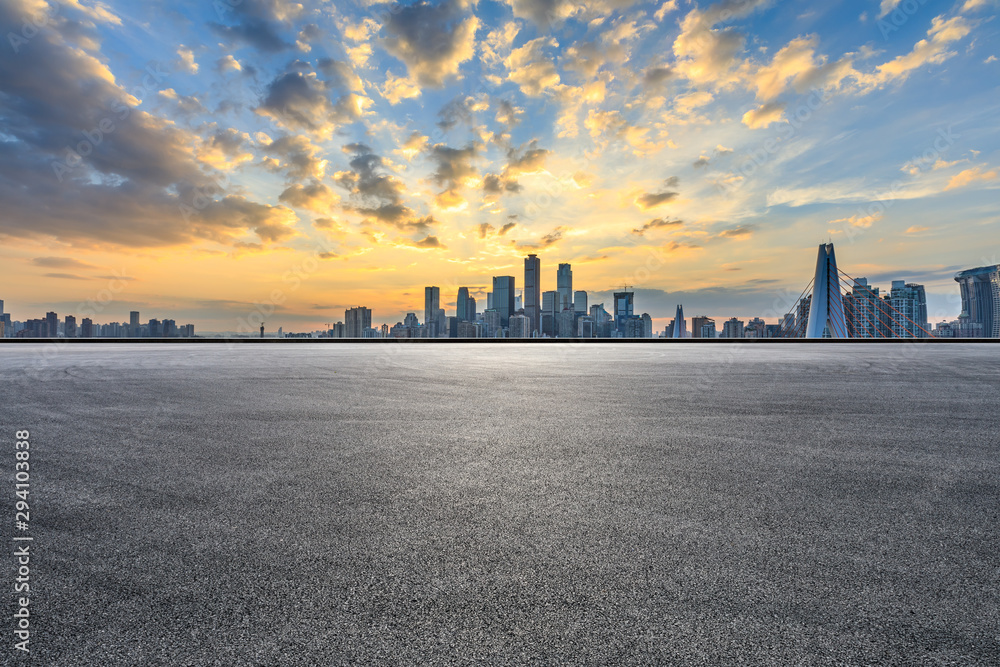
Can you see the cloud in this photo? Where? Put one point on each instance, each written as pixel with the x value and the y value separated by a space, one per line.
pixel 915 229
pixel 315 196
pixel 738 232
pixel 546 241
pixel 970 176
pixel 666 194
pixel 657 223
pixel 655 77
pixel 887 6
pixel 67 276
pixel 228 64
pixel 376 196
pixel 454 171
pixel 531 68
pixel 932 50
pixel 139 182
pixel 296 156
pixel 224 149
pixel 299 100
pixel 428 242
pixel 187 62
pixel 861 221
pixel 399 88
pixel 547 13
pixel 706 55
pixel 61 263
pixel 764 115
pixel 431 40
pixel 258 23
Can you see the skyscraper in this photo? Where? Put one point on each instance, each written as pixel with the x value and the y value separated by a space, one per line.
pixel 733 328
pixel 519 326
pixel 624 303
pixel 980 290
pixel 547 324
pixel 564 287
pixel 52 322
pixel 908 314
pixel 580 302
pixel 134 329
pixel 357 321
pixel 532 291
pixel 680 324
pixel 697 323
pixel 432 301
pixel 503 297
pixel 69 327
pixel 462 305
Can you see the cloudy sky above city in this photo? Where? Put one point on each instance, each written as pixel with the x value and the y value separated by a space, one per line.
pixel 315 156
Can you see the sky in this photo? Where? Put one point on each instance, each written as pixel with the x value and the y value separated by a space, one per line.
pixel 226 162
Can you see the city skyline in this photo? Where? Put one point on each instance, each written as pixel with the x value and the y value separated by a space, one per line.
pixel 833 304
pixel 368 150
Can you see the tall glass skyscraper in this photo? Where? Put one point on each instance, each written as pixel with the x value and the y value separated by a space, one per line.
pixel 624 304
pixel 503 297
pixel 564 286
pixel 462 305
pixel 532 290
pixel 432 301
pixel 980 290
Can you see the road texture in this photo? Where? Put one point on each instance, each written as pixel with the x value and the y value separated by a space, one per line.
pixel 522 504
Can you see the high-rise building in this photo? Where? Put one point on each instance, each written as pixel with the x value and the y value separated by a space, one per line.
pixel 519 326
pixel 86 328
pixel 733 328
pixel 580 302
pixel 432 301
pixel 550 301
pixel 755 328
pixel 647 325
pixel 357 320
pixel 503 297
pixel 134 328
pixel 492 322
pixel 707 328
pixel 564 287
pixel 69 327
pixel 908 313
pixel 634 328
pixel 462 305
pixel 566 323
pixel 471 309
pixel 980 289
pixel 679 330
pixel 468 329
pixel 52 322
pixel 624 303
pixel 532 290
pixel 697 323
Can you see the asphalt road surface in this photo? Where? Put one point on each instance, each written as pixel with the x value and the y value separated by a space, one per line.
pixel 522 504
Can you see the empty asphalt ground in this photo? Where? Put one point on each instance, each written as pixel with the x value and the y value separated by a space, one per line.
pixel 522 504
